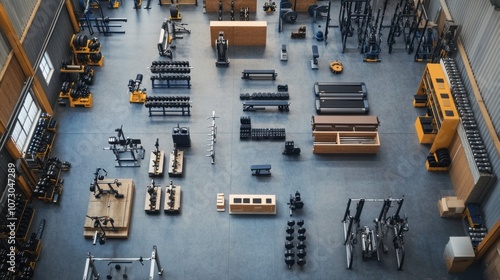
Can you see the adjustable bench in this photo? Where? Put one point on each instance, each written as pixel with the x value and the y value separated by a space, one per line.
pixel 259 74
pixel 254 105
pixel 261 169
pixel 314 61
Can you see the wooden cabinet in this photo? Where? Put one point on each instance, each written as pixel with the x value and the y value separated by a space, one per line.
pixel 345 142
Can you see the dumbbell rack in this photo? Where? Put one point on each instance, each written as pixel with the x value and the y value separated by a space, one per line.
pixel 66 93
pixel 83 51
pixel 169 73
pixel 41 142
pixel 168 105
pixel 247 132
pixel 49 186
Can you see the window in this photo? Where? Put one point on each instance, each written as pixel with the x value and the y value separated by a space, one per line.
pixel 25 120
pixel 246 200
pixel 269 201
pixel 46 67
pixel 257 200
pixel 237 200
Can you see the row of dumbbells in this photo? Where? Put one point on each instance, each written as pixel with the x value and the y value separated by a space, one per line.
pixel 265 96
pixel 245 127
pixel 24 222
pixel 171 77
pixel 295 249
pixel 167 98
pixel 171 63
pixel 268 133
pixel 167 104
pixel 41 137
pixel 169 69
pixel 466 114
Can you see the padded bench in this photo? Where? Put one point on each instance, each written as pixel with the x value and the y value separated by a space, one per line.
pixel 261 169
pixel 259 74
pixel 254 105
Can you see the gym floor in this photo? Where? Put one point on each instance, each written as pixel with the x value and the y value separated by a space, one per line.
pixel 201 243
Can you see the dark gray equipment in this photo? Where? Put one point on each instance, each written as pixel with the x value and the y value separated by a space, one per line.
pixel 122 146
pixel 290 149
pixel 287 14
pixel 181 136
pixel 295 202
pixel 259 74
pixel 260 169
pixel 99 175
pixel 222 45
pixel 372 240
pixel 100 233
pixel 254 105
pixel 340 89
pixel 314 61
pixel 342 106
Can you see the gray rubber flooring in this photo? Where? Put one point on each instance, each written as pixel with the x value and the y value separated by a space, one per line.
pixel 201 243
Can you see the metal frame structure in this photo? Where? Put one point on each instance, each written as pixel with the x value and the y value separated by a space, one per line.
pixel 353 11
pixel 373 240
pixel 101 22
pixel 213 137
pixel 91 273
pixel 121 145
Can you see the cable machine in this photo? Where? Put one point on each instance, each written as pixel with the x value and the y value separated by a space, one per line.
pixel 353 13
pixel 91 273
pixel 213 137
pixel 101 22
pixel 372 240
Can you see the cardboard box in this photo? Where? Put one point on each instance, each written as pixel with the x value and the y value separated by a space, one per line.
pixel 451 207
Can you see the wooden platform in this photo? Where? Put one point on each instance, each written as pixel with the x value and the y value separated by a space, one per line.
pixel 118 209
pixel 174 208
pixel 155 209
pixel 154 159
pixel 176 164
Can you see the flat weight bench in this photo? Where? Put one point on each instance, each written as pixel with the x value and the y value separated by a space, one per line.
pixel 254 105
pixel 259 74
pixel 314 61
pixel 261 169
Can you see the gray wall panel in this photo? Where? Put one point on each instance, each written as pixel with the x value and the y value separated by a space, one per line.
pixel 19 13
pixel 480 36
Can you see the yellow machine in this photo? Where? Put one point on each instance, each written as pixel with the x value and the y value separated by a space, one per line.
pixel 174 11
pixel 137 95
pixel 439 124
pixel 336 67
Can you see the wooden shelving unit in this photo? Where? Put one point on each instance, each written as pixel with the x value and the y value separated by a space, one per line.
pixel 346 142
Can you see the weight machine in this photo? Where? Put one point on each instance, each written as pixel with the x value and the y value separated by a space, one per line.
pixel 372 240
pixel 102 23
pixel 295 202
pixel 372 39
pixel 99 175
pixel 287 14
pixel 174 11
pixel 137 95
pixel 153 198
pixel 91 273
pixel 121 146
pixel 353 13
pixel 222 45
pixel 269 6
pixel 100 233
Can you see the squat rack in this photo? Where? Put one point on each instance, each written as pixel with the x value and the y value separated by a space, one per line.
pixel 382 225
pixel 94 275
